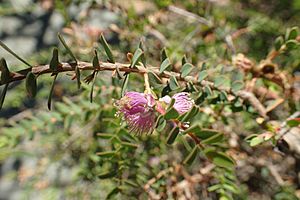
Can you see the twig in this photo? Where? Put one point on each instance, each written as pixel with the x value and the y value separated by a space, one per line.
pixel 104 66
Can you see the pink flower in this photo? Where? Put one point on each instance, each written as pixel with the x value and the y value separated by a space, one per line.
pixel 183 102
pixel 137 110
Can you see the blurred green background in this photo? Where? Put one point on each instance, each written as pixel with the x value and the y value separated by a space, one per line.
pixel 53 154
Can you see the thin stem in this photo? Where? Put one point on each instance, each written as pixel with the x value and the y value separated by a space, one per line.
pixel 103 66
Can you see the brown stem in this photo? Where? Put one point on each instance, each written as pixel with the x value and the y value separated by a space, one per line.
pixel 103 66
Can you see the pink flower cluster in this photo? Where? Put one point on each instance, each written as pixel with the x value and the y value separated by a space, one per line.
pixel 139 109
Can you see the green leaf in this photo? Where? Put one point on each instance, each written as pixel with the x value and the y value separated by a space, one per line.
pixel 203 67
pixel 223 96
pixel 164 65
pixel 214 139
pixel 291 44
pixel 256 141
pixel 173 83
pixel 208 90
pixel 124 85
pixel 192 155
pixel 31 85
pixel 129 144
pixel 107 49
pixel 172 135
pixel 201 98
pixel 163 54
pixel 202 75
pixel 106 154
pixel 204 134
pixel 108 174
pixel 136 56
pixel 291 33
pixel 51 92
pixel 77 71
pixel 184 60
pixel 154 79
pixel 171 113
pixel 54 60
pixel 293 122
pixel 112 193
pixel 214 187
pixel 5 74
pixel 14 54
pixel 160 123
pixel 219 81
pixel 193 129
pixel 278 42
pixel 190 114
pixel 186 69
pixel 92 87
pixel 2 96
pixel 62 40
pixel 105 135
pixel 236 86
pixel 143 59
pixel 220 159
pixel 95 59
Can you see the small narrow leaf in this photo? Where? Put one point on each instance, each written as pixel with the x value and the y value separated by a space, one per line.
pixel 106 153
pixel 214 139
pixel 291 44
pixel 236 86
pixel 160 123
pixel 171 113
pixel 173 83
pixel 51 92
pixel 184 60
pixel 293 122
pixel 124 85
pixel 5 74
pixel 95 59
pixel 220 159
pixel 223 96
pixel 112 193
pixel 3 94
pixel 31 85
pixel 164 65
pixel 196 129
pixel 143 59
pixel 219 81
pixel 14 54
pixel 291 33
pixel 77 71
pixel 202 75
pixel 136 56
pixel 108 174
pixel 186 69
pixel 172 135
pixel 256 141
pixel 208 90
pixel 164 55
pixel 107 49
pixel 54 60
pixel 203 67
pixel 204 134
pixel 192 155
pixel 92 87
pixel 62 40
pixel 193 112
pixel 278 43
